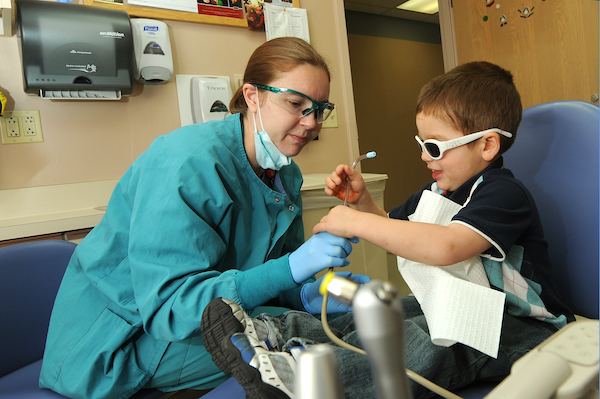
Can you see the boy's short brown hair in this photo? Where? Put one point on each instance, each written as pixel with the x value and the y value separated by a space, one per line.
pixel 472 97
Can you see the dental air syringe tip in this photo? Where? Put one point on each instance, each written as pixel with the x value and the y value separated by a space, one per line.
pixel 370 154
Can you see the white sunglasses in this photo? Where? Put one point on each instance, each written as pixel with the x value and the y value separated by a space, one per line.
pixel 435 149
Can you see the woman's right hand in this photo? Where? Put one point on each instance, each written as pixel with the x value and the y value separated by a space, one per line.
pixel 336 185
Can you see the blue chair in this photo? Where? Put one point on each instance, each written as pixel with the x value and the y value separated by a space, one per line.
pixel 30 275
pixel 556 157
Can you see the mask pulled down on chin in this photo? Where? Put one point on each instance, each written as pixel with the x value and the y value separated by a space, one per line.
pixel 268 155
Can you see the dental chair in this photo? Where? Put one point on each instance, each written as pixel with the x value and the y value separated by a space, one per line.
pixel 556 157
pixel 30 275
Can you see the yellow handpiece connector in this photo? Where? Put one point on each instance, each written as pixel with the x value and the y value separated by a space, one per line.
pixel 325 283
pixel 2 103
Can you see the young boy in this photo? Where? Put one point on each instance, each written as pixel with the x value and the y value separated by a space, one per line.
pixel 466 119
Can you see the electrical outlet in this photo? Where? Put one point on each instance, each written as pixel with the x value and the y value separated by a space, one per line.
pixel 29 128
pixel 331 121
pixel 238 80
pixel 12 127
pixel 21 127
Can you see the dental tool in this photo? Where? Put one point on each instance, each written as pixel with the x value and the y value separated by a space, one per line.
pixel 379 319
pixel 370 154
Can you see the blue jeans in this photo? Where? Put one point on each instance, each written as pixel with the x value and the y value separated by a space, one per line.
pixel 452 368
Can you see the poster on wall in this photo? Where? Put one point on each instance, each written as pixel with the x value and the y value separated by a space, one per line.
pixel 178 5
pixel 221 8
pixel 255 14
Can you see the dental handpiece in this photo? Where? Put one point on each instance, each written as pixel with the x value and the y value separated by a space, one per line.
pixel 379 319
pixel 370 154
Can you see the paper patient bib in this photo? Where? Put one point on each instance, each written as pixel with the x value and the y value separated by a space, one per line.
pixel 457 300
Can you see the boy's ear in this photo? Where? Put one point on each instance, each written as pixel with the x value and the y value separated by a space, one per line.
pixel 491 147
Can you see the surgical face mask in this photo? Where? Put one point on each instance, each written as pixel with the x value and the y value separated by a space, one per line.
pixel 268 155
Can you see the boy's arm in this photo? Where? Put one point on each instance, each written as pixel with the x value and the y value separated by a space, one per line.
pixel 359 196
pixel 426 243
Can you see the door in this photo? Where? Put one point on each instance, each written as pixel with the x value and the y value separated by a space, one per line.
pixel 551 47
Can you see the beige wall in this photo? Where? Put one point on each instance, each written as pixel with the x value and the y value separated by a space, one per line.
pixel 98 140
pixel 388 74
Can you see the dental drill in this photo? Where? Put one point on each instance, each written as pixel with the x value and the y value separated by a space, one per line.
pixel 379 319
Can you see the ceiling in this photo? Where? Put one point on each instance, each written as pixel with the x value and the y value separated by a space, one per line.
pixel 388 8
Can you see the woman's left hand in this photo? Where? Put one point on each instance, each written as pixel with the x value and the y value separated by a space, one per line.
pixel 312 300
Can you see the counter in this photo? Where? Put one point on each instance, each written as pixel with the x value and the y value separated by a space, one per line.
pixel 34 211
pixel 59 209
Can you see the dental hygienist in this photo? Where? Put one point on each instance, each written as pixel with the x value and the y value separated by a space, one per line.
pixel 209 210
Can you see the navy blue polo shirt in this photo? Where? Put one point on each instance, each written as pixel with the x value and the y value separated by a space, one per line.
pixel 502 210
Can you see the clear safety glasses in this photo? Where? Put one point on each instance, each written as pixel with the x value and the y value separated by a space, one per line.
pixel 435 149
pixel 298 104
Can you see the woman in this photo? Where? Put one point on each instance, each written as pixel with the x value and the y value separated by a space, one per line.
pixel 209 210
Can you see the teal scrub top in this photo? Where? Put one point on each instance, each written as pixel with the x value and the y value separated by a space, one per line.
pixel 188 222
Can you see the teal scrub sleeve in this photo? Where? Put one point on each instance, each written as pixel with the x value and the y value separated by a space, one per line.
pixel 171 270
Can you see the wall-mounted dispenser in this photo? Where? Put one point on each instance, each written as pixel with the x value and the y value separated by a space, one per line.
pixel 75 52
pixel 152 46
pixel 210 98
pixel 5 18
pixel 203 98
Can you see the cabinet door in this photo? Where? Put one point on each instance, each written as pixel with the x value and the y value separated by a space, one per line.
pixel 551 46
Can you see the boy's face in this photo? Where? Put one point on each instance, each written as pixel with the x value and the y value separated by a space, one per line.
pixel 456 165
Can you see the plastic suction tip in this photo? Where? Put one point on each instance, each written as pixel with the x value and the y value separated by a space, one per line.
pixel 371 154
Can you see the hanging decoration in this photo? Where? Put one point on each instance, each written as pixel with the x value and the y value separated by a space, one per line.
pixel 503 20
pixel 524 13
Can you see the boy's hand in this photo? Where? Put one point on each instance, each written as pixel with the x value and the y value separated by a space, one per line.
pixel 338 222
pixel 336 184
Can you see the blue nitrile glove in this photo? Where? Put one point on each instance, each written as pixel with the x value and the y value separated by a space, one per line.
pixel 312 300
pixel 321 251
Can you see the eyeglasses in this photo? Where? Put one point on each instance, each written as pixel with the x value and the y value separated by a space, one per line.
pixel 435 149
pixel 298 104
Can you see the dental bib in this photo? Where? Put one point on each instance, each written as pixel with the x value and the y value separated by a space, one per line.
pixel 457 300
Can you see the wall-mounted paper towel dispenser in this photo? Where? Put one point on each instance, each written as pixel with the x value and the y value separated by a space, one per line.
pixel 71 51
